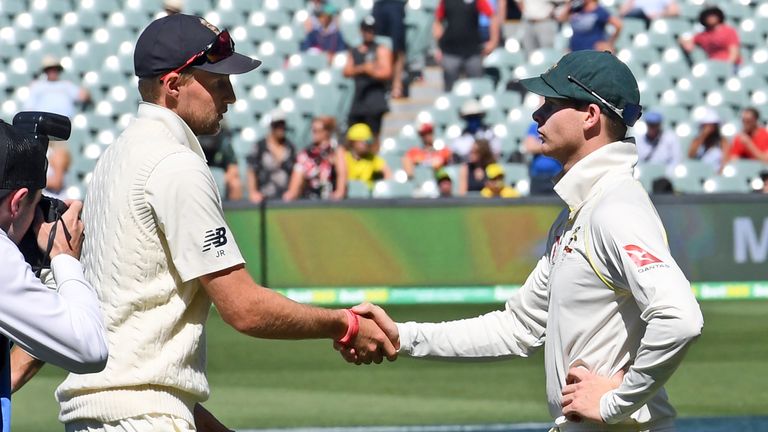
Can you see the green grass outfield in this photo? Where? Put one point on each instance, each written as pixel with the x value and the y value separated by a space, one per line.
pixel 256 383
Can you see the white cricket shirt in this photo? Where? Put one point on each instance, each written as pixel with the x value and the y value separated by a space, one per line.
pixel 155 225
pixel 607 296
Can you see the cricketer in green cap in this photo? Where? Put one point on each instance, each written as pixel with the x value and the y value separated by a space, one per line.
pixel 591 76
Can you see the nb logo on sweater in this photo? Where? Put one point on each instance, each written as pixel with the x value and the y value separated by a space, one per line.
pixel 640 256
pixel 214 238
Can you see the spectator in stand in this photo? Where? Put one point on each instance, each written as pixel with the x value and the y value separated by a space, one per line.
pixel 752 141
pixel 709 145
pixel 427 154
pixel 457 31
pixel 270 164
pixel 219 154
pixel 59 161
pixel 320 171
pixel 314 8
pixel 370 66
pixel 390 22
pixel 499 13
pixel 444 184
pixel 363 164
pixel 718 40
pixel 472 174
pixel 649 10
pixel 542 169
pixel 589 21
pixel 495 187
pixel 326 37
pixel 539 26
pixel 511 13
pixel 656 145
pixel 473 114
pixel 53 94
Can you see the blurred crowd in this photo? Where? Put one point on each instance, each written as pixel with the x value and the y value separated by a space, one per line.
pixel 341 158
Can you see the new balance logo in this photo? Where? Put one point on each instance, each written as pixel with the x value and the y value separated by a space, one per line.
pixel 214 238
pixel 640 256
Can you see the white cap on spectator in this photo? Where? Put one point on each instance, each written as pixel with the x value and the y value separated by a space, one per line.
pixel 277 115
pixel 708 116
pixel 471 107
pixel 175 6
pixel 50 62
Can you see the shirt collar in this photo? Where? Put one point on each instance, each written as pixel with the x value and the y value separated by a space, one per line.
pixel 581 182
pixel 176 126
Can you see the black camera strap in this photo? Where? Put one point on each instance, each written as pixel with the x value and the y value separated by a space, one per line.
pixel 49 247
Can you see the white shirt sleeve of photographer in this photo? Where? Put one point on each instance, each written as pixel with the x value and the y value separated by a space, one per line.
pixel 63 327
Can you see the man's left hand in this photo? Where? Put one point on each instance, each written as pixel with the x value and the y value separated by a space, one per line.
pixel 582 393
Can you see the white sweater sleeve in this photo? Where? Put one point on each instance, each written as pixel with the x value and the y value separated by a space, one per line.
pixel 517 330
pixel 632 238
pixel 63 327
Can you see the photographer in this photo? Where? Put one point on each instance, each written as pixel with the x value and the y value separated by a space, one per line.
pixel 63 327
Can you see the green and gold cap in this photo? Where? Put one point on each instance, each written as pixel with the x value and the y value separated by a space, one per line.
pixel 591 76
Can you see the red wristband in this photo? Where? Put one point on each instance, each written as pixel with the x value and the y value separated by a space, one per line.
pixel 353 325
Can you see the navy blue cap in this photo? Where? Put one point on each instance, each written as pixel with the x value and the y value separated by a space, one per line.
pixel 652 117
pixel 169 42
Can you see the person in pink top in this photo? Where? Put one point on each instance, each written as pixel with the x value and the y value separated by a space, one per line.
pixel 719 40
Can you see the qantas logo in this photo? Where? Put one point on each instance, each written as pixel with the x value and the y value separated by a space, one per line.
pixel 640 256
pixel 214 238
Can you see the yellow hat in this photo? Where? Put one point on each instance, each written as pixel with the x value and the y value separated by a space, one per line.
pixel 360 132
pixel 493 171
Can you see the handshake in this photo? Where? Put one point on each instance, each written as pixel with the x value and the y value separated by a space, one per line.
pixel 371 336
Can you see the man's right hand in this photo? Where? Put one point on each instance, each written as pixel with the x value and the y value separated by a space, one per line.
pixel 69 242
pixel 371 344
pixel 374 319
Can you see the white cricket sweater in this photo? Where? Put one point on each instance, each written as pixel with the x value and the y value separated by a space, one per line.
pixel 607 296
pixel 143 256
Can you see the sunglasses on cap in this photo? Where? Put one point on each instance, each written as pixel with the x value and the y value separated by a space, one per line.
pixel 220 48
pixel 629 114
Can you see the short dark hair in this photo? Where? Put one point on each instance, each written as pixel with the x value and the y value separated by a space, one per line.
pixel 149 87
pixel 616 128
pixel 754 112
pixel 711 10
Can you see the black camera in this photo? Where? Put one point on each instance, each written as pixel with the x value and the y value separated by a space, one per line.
pixel 52 208
pixel 38 259
pixel 45 127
